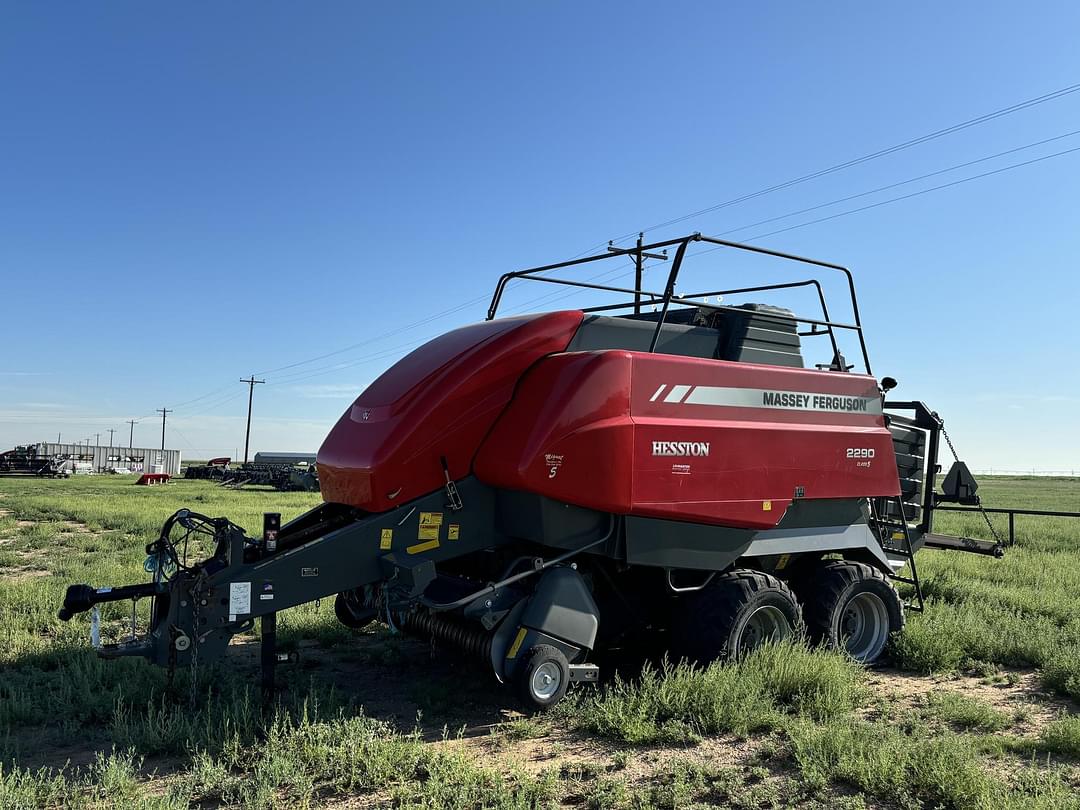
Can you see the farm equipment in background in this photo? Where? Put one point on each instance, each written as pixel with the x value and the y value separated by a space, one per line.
pixel 153 479
pixel 213 470
pixel 25 460
pixel 532 489
pixel 286 472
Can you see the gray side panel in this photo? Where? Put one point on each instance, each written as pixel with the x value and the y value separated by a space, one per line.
pixel 562 607
pixel 807 526
pixel 528 516
pixel 811 513
pixel 820 541
pixel 755 333
pixel 764 334
pixel 671 544
pixel 602 332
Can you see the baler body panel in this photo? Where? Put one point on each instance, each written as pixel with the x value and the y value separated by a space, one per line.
pixel 437 402
pixel 690 439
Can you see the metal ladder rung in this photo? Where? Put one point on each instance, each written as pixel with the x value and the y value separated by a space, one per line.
pixel 907 552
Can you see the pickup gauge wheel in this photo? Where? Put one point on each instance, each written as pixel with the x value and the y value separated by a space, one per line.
pixel 542 677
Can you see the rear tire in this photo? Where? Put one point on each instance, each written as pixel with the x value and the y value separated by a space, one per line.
pixel 851 607
pixel 738 612
pixel 542 677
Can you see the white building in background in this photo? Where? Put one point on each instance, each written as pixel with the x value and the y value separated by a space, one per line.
pixel 105 459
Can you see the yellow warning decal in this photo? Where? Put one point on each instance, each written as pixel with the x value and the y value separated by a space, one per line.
pixel 430 523
pixel 781 564
pixel 386 539
pixel 453 531
pixel 766 506
pixel 897 535
pixel 427 545
pixel 513 651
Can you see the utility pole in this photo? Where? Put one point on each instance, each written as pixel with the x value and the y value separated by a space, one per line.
pixel 639 265
pixel 251 383
pixel 131 433
pixel 164 412
pixel 97 440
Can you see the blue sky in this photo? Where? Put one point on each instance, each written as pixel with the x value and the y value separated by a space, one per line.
pixel 195 192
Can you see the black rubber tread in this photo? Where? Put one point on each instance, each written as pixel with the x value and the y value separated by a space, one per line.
pixel 523 676
pixel 708 622
pixel 826 587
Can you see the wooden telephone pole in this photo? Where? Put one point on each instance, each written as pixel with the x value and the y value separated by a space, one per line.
pixel 251 383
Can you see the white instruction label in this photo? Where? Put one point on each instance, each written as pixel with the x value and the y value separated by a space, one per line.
pixel 239 597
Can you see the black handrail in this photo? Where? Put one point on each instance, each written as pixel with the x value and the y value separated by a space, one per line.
pixel 1012 513
pixel 668 295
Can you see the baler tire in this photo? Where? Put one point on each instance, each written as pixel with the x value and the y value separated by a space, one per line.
pixel 837 592
pixel 348 617
pixel 715 619
pixel 542 677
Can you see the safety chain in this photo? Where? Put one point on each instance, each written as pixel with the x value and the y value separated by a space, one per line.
pixel 982 511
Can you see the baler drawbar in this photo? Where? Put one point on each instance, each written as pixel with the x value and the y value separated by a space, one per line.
pixel 532 489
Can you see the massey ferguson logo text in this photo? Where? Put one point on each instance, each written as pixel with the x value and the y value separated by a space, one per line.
pixel 680 448
pixel 819 402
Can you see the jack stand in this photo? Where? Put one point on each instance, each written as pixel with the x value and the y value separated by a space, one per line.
pixel 268 650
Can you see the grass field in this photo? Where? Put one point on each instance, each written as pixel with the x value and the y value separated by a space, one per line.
pixel 979 710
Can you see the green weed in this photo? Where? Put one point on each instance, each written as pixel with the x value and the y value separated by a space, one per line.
pixel 966 713
pixel 678 702
pixel 917 769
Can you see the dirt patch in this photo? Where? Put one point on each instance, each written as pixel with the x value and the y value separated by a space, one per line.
pixel 73 527
pixel 573 752
pixel 400 679
pixel 39 747
pixel 1017 692
pixel 22 573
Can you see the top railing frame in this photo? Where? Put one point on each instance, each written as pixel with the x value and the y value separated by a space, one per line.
pixel 665 298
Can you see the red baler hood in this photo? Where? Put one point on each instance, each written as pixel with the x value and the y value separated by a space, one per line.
pixel 437 402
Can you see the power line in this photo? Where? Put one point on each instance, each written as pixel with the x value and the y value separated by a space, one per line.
pixel 727 203
pixel 902 197
pixel 204 396
pixel 900 183
pixel 309 373
pixel 971 122
pixel 217 402
pixel 847 164
pixel 406 328
pixel 235 395
pixel 399 330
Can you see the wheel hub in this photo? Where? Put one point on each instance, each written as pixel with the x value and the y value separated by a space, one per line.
pixel 546 680
pixel 767 624
pixel 864 626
